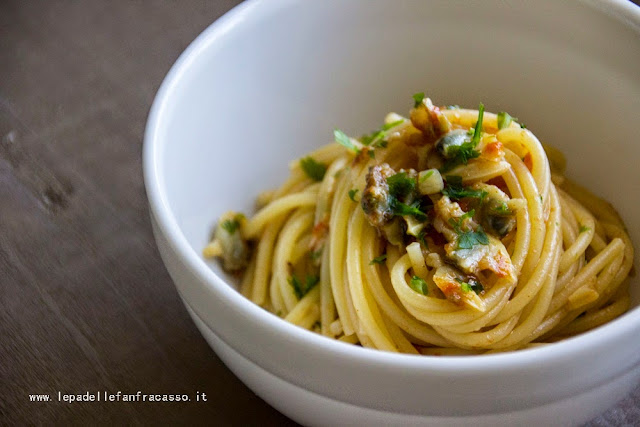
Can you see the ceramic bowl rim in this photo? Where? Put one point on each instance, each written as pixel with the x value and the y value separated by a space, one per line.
pixel 625 12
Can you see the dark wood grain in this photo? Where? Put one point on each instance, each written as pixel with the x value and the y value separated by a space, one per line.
pixel 85 302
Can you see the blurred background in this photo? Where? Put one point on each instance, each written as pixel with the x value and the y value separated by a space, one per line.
pixel 85 301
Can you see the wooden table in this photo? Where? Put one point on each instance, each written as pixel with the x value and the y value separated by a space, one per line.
pixel 85 301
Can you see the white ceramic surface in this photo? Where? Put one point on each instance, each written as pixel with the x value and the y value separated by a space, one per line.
pixel 313 409
pixel 271 79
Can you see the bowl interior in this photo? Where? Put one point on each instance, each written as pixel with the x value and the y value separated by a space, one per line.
pixel 249 101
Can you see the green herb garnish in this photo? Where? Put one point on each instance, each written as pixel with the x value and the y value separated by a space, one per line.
pixel 584 228
pixel 379 259
pixel 417 99
pixel 403 209
pixel 471 285
pixel 312 168
pixel 456 191
pixel 302 288
pixel 401 185
pixel 374 136
pixel 477 131
pixel 456 223
pixel 461 154
pixel 469 239
pixel 469 214
pixel 231 225
pixel 504 120
pixel 502 209
pixel 344 140
pixel 391 125
pixel 426 176
pixel 422 238
pixel 418 285
pixel 377 137
pixel 352 194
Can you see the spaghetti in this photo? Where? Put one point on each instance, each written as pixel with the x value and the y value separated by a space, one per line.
pixel 452 231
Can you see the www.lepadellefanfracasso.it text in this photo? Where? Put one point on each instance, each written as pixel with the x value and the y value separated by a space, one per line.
pixel 118 396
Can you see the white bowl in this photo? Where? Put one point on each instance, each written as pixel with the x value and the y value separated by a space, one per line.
pixel 271 79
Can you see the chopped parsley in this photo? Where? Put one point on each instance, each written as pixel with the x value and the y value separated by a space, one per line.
pixel 312 168
pixel 302 288
pixel 422 238
pixel 379 259
pixel 469 214
pixel 502 209
pixel 352 194
pixel 377 137
pixel 417 99
pixel 391 125
pixel 456 223
pixel 344 140
pixel 401 185
pixel 426 176
pixel 461 154
pixel 477 131
pixel 477 287
pixel 504 120
pixel 469 239
pixel 418 285
pixel 403 209
pixel 368 139
pixel 471 285
pixel 584 228
pixel 456 191
pixel 231 225
pixel 371 153
pixel 462 192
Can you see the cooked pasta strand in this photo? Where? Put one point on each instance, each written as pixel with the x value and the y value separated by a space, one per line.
pixel 450 232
